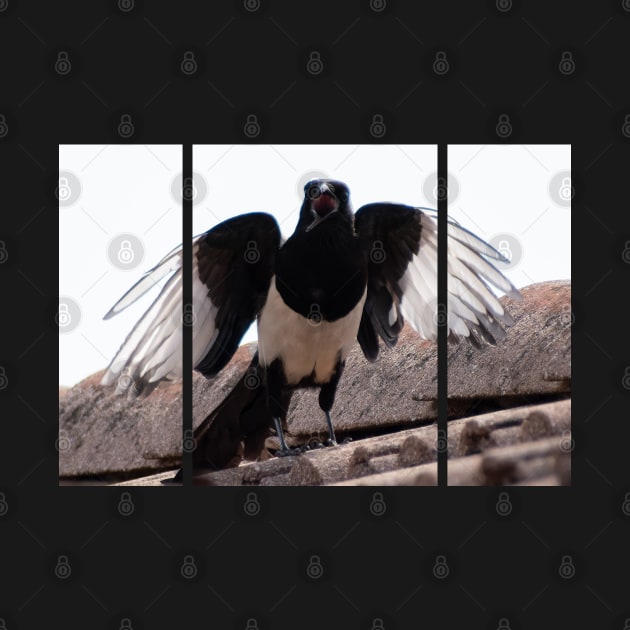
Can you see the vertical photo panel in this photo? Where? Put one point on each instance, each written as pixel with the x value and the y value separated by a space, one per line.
pixel 315 300
pixel 120 312
pixel 510 317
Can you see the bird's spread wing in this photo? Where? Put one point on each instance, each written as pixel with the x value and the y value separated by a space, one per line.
pixel 474 310
pixel 152 350
pixel 401 244
pixel 232 269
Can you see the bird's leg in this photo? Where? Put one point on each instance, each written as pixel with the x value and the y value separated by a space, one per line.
pixel 283 445
pixel 284 450
pixel 327 398
pixel 332 440
pixel 278 403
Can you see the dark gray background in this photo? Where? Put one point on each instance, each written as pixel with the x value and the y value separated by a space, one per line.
pixel 256 62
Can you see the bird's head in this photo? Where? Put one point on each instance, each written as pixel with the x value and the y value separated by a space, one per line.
pixel 324 198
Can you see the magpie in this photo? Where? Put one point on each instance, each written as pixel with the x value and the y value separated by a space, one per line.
pixel 342 277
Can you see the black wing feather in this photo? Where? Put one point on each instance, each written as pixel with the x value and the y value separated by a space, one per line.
pixel 390 235
pixel 234 262
pixel 401 242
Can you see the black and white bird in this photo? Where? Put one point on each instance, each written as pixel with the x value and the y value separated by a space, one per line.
pixel 340 278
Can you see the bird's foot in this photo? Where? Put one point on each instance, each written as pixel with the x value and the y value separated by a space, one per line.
pixel 288 452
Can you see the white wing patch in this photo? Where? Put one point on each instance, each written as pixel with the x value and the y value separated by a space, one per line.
pixel 152 351
pixel 472 304
pixel 205 331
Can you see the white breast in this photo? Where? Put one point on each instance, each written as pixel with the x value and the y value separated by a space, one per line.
pixel 304 345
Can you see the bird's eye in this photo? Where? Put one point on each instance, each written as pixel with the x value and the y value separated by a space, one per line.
pixel 343 196
pixel 313 192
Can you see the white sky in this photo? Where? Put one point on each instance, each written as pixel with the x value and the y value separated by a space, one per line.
pixel 511 193
pixel 124 189
pixel 503 193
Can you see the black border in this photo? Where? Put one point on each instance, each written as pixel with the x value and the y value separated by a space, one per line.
pixel 500 62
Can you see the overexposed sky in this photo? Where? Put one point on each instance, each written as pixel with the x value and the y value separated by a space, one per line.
pixel 115 193
pixel 517 197
pixel 120 213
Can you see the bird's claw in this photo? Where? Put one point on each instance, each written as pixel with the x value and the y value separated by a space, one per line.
pixel 311 446
pixel 288 452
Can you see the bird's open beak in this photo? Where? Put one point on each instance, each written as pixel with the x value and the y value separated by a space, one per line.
pixel 323 204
